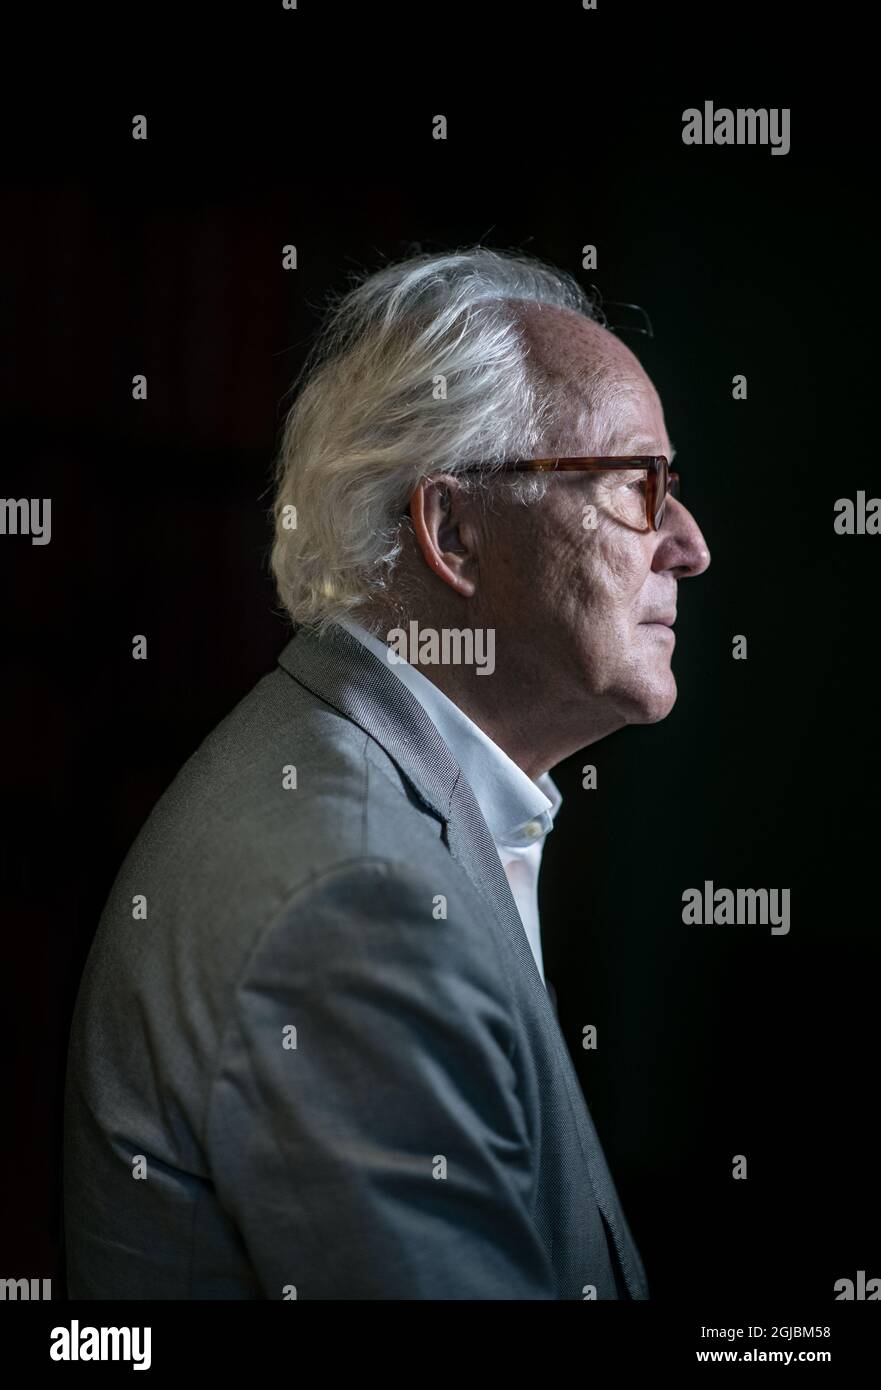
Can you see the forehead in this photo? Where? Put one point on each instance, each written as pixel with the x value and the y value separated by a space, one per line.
pixel 636 418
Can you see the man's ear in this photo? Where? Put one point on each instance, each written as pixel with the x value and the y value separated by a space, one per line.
pixel 445 531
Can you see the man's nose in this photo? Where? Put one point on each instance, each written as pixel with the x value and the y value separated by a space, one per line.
pixel 681 545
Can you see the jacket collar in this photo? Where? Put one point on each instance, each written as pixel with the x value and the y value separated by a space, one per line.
pixel 345 674
pixel 341 671
pixel 516 808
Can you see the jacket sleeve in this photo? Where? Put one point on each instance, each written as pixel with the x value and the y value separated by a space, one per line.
pixel 365 1131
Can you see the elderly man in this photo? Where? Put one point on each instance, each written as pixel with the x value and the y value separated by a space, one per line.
pixel 314 1054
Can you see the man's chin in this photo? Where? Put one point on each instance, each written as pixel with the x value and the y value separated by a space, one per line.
pixel 650 706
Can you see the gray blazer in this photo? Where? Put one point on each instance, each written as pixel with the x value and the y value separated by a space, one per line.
pixel 323 1065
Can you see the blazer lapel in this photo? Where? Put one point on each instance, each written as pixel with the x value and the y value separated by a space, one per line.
pixel 552 994
pixel 472 845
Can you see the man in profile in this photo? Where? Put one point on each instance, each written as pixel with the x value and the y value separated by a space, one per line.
pixel 329 1051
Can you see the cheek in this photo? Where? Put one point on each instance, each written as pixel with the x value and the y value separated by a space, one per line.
pixel 615 566
pixel 545 562
pixel 541 556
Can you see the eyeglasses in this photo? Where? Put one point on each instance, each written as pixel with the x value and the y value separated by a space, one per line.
pixel 661 482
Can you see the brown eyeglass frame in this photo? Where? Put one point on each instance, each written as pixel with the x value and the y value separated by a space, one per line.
pixel 656 465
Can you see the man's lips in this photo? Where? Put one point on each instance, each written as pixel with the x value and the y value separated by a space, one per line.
pixel 663 620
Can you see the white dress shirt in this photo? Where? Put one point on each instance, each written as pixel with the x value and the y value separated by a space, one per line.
pixel 518 811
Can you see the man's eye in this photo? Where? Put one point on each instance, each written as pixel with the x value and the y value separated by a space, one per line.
pixel 638 486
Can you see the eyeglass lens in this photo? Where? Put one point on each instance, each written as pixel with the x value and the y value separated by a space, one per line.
pixel 660 494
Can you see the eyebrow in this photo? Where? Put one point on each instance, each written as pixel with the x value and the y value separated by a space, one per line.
pixel 635 446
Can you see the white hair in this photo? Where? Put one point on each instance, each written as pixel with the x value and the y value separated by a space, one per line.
pixel 419 368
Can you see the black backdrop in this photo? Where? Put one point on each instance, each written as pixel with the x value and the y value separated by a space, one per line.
pixel 165 258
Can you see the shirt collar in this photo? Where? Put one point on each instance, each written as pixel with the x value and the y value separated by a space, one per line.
pixel 518 811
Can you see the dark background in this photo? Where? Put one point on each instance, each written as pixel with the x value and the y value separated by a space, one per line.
pixel 165 258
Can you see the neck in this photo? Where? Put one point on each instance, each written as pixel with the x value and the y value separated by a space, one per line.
pixel 511 703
